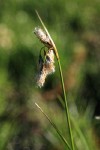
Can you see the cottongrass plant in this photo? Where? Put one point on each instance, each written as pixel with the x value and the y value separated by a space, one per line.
pixel 46 67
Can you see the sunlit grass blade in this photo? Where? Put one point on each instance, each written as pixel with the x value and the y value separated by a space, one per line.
pixel 54 126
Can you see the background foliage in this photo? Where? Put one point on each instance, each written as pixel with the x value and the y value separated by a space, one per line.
pixel 75 28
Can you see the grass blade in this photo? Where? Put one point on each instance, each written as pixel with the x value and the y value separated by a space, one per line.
pixel 54 126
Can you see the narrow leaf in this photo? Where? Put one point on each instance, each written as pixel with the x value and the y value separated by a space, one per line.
pixel 54 126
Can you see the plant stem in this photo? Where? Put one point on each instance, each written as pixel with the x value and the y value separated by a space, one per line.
pixel 76 126
pixel 66 104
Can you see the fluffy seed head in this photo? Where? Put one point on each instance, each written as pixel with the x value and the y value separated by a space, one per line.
pixel 49 63
pixel 42 36
pixel 47 68
pixel 41 77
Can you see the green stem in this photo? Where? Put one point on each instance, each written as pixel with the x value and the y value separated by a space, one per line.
pixel 66 104
pixel 76 126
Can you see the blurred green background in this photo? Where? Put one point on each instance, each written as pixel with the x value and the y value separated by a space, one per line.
pixel 75 27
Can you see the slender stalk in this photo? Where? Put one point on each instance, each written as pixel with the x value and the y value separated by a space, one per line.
pixel 76 126
pixel 66 104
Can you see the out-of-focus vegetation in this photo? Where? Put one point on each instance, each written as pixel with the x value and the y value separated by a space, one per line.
pixel 75 28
